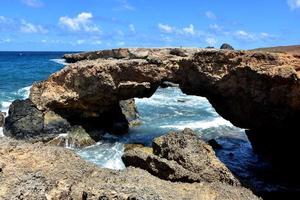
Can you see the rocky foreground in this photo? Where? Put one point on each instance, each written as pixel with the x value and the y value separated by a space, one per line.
pixel 39 171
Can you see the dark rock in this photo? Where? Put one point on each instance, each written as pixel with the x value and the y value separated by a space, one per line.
pixel 178 52
pixel 24 120
pixel 209 47
pixel 180 157
pixel 226 46
pixel 167 84
pixel 214 144
pixel 2 118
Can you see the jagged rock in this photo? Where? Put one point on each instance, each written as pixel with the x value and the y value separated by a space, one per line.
pixel 226 46
pixel 214 144
pixel 166 84
pixel 37 171
pixel 178 52
pixel 253 90
pixel 180 157
pixel 24 120
pixel 76 137
pixel 2 118
pixel 130 111
pixel 128 147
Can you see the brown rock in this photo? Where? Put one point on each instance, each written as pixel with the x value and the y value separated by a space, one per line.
pixel 36 171
pixel 77 137
pixel 180 157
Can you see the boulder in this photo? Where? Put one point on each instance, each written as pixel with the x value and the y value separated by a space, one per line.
pixel 226 46
pixel 38 171
pixel 76 137
pixel 24 121
pixel 180 157
pixel 2 118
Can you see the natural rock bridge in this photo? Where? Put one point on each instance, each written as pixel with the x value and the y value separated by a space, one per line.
pixel 254 90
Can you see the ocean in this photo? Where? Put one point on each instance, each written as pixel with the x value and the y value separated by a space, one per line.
pixel 167 110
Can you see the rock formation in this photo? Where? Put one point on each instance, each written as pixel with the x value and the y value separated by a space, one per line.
pixel 226 46
pixel 38 171
pixel 254 90
pixel 180 157
pixel 2 118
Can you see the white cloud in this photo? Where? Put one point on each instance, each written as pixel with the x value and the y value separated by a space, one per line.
pixel 27 27
pixel 132 28
pixel 125 5
pixel 211 41
pixel 293 4
pixel 189 30
pixel 215 27
pixel 33 3
pixel 210 15
pixel 245 35
pixel 166 28
pixel 81 22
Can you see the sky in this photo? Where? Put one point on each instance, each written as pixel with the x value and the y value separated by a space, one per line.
pixel 81 25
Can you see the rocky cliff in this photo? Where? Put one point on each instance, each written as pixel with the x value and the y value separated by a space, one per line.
pixel 254 90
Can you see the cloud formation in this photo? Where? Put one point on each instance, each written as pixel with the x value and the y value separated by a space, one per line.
pixel 33 3
pixel 82 22
pixel 27 27
pixel 189 30
pixel 210 15
pixel 293 4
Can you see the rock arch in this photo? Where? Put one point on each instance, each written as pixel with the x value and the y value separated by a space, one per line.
pixel 254 90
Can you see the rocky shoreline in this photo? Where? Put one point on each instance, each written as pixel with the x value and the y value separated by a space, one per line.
pixel 39 171
pixel 257 91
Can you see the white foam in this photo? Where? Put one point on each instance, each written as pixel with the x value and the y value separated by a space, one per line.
pixel 59 61
pixel 200 124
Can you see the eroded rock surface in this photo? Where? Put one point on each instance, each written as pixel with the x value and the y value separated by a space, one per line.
pixel 254 90
pixel 37 171
pixel 180 157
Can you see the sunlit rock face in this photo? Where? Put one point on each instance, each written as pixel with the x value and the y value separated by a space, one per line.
pixel 254 90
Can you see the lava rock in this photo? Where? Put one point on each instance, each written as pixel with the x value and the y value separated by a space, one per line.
pixel 77 137
pixel 24 120
pixel 214 144
pixel 38 171
pixel 2 118
pixel 226 46
pixel 178 52
pixel 180 157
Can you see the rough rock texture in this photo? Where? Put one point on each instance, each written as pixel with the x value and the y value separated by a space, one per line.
pixel 254 90
pixel 27 122
pixel 180 157
pixel 76 137
pixel 36 171
pixel 2 118
pixel 226 46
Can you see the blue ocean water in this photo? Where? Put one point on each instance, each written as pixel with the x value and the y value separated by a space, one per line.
pixel 168 109
pixel 19 70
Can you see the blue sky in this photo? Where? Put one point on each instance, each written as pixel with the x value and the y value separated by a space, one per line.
pixel 72 25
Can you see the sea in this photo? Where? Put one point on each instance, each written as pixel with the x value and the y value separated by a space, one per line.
pixel 167 110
